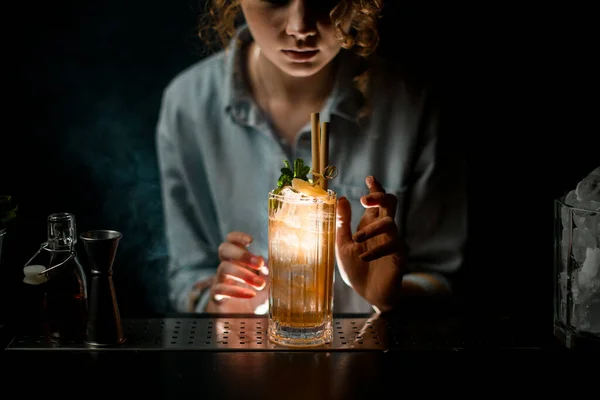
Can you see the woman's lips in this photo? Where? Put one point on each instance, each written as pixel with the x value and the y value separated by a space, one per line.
pixel 300 56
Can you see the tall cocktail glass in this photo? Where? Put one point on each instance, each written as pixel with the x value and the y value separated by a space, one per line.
pixel 301 264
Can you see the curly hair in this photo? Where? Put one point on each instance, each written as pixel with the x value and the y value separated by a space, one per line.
pixel 218 26
pixel 221 17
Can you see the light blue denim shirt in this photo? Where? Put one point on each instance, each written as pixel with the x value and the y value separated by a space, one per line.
pixel 219 157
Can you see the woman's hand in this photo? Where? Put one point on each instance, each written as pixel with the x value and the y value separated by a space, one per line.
pixel 241 282
pixel 373 258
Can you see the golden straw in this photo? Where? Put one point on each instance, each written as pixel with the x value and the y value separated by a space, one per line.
pixel 314 117
pixel 324 152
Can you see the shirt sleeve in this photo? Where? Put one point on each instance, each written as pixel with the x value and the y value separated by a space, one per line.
pixel 435 205
pixel 192 256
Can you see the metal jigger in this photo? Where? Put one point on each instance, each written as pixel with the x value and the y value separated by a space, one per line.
pixel 104 321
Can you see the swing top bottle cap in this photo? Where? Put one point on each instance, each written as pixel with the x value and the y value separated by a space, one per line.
pixel 32 274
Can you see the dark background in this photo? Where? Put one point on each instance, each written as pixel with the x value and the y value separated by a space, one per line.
pixel 84 81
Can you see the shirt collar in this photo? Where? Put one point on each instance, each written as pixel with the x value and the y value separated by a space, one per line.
pixel 344 100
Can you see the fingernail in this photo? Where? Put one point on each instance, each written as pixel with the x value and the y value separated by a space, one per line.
pixel 256 261
pixel 259 282
pixel 219 297
pixel 264 270
pixel 370 180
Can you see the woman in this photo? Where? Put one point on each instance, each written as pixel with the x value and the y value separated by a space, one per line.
pixel 227 122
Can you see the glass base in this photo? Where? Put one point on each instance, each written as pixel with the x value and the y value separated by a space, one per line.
pixel 576 340
pixel 300 337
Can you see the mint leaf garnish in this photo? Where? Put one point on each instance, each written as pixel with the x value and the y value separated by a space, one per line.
pixel 300 171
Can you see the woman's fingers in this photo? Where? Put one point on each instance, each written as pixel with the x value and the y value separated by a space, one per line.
pixel 388 248
pixel 222 291
pixel 386 203
pixel 230 270
pixel 240 255
pixel 233 274
pixel 382 226
pixel 239 238
pixel 378 227
pixel 374 185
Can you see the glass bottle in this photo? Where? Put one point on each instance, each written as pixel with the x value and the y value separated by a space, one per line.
pixel 58 271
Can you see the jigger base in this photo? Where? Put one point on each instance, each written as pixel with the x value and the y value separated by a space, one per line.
pixel 95 344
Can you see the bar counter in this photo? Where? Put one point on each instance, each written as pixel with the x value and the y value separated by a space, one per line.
pixel 229 356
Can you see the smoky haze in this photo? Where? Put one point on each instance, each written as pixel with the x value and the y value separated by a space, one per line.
pixel 92 77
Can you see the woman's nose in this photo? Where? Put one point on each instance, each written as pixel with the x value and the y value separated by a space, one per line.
pixel 301 21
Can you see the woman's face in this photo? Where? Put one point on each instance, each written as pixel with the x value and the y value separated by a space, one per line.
pixel 295 35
